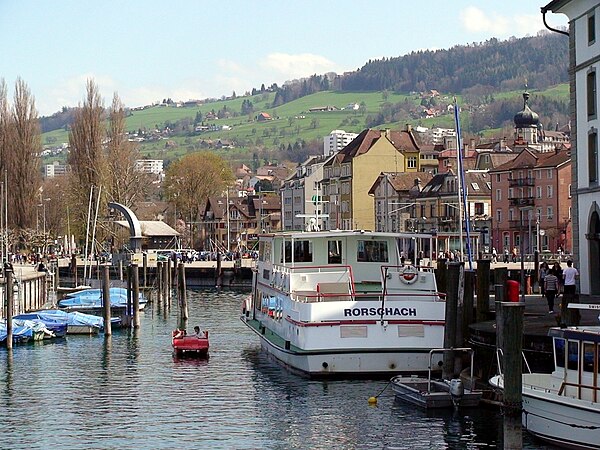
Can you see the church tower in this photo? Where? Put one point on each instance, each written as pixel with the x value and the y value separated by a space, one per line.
pixel 527 127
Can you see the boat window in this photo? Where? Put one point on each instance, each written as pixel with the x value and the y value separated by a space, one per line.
pixel 559 352
pixel 302 251
pixel 334 252
pixel 588 357
pixel 573 362
pixel 264 251
pixel 372 251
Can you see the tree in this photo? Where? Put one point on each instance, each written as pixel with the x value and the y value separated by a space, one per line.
pixel 85 158
pixel 20 154
pixel 190 181
pixel 124 183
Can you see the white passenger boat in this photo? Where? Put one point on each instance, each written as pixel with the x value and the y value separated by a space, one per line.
pixel 563 407
pixel 347 303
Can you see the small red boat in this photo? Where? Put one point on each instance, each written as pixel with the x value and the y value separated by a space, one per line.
pixel 189 345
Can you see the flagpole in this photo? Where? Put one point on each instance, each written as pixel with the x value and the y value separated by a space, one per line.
pixel 463 206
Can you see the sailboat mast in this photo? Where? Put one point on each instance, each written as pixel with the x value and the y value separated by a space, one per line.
pixel 459 182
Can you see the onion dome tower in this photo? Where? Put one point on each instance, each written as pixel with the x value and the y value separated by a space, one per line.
pixel 527 126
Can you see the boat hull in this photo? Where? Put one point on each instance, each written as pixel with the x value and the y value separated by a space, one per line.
pixel 415 390
pixel 190 346
pixel 569 423
pixel 343 363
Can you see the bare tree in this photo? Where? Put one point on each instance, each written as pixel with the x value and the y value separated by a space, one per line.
pixel 23 158
pixel 85 158
pixel 124 183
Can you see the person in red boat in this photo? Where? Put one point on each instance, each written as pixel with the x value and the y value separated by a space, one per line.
pixel 199 334
pixel 178 334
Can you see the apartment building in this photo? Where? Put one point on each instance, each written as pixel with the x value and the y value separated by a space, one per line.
pixel 336 140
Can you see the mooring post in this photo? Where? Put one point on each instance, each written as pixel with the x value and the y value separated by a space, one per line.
pixel 106 301
pixel 536 271
pixel 499 299
pixel 441 271
pixel 512 322
pixel 501 277
pixel 181 291
pixel 120 270
pixel 8 277
pixel 74 268
pixel 468 313
pixel 483 290
pixel 145 268
pixel 136 295
pixel 218 272
pixel 159 287
pixel 452 299
pixel 129 296
pixel 166 286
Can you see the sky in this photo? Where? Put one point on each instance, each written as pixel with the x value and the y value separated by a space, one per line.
pixel 149 50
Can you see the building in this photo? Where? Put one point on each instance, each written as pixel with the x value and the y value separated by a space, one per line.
pixel 154 166
pixel 531 200
pixel 437 210
pixel 349 175
pixel 584 48
pixel 394 198
pixel 55 169
pixel 336 140
pixel 301 195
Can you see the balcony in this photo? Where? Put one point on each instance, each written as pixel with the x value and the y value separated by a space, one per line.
pixel 522 202
pixel 517 224
pixel 515 182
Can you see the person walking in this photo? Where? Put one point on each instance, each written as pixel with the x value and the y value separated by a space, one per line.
pixel 494 255
pixel 569 276
pixel 541 276
pixel 550 288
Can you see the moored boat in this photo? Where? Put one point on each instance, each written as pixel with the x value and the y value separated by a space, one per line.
pixel 346 303
pixel 563 407
pixel 430 393
pixel 89 299
pixel 57 327
pixel 190 345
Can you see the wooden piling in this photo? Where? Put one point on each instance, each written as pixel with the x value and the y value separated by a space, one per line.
pixel 120 270
pixel 468 309
pixel 452 298
pixel 181 291
pixel 501 277
pixel 441 271
pixel 135 282
pixel 512 324
pixel 8 276
pixel 536 271
pixel 166 286
pixel 129 311
pixel 106 301
pixel 74 269
pixel 483 290
pixel 219 272
pixel 145 268
pixel 159 286
pixel 499 299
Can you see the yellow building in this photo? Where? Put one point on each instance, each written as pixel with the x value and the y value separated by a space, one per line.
pixel 348 175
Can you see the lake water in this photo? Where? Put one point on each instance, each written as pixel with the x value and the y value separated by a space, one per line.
pixel 128 392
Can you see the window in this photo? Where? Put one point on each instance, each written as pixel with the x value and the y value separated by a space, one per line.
pixel 432 210
pixel 539 214
pixel 591 23
pixel 475 186
pixel 334 252
pixel 511 214
pixel 591 94
pixel 593 156
pixel 479 209
pixel 498 216
pixel 412 162
pixel 549 174
pixel 498 177
pixel 549 191
pixel 302 251
pixel 498 195
pixel 559 352
pixel 372 251
pixel 550 213
pixel 511 193
pixel 538 174
pixel 570 195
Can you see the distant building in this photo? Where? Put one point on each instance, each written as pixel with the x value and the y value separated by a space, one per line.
pixel 336 140
pixel 55 169
pixel 154 166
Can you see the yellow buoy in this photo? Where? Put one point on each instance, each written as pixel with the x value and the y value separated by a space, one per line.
pixel 372 400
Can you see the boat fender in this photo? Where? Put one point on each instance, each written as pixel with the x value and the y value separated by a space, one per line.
pixel 409 274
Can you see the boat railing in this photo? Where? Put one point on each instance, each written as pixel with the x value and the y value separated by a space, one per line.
pixel 410 274
pixel 433 351
pixel 500 354
pixel 579 387
pixel 307 278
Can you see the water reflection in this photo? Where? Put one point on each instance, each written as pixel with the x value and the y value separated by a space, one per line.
pixel 128 391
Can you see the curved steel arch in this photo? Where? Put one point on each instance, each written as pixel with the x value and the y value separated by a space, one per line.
pixel 135 228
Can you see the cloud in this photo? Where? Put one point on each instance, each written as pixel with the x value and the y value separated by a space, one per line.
pixel 296 66
pixel 475 20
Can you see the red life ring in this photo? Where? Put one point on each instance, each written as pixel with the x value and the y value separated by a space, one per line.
pixel 409 274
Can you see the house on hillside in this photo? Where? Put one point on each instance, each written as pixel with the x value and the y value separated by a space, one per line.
pixel 263 117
